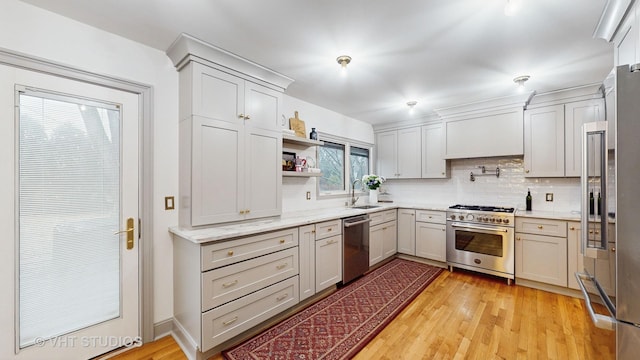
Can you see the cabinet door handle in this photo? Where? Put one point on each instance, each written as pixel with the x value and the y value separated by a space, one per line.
pixel 241 116
pixel 329 242
pixel 282 241
pixel 281 266
pixel 282 297
pixel 384 228
pixel 226 285
pixel 230 252
pixel 313 231
pixel 329 229
pixel 229 322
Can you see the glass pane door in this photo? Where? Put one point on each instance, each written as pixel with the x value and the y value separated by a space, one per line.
pixel 69 208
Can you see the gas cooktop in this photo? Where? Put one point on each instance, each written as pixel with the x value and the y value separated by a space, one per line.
pixel 499 209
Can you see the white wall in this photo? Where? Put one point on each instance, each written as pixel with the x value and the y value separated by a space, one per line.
pixel 36 32
pixel 325 121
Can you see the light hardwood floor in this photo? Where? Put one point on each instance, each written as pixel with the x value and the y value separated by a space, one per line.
pixel 464 315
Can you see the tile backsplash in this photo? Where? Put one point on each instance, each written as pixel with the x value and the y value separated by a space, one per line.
pixel 510 189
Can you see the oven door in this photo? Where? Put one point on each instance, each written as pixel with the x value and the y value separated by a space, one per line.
pixel 474 247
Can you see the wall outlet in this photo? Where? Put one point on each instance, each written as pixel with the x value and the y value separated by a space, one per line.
pixel 549 196
pixel 308 195
pixel 169 203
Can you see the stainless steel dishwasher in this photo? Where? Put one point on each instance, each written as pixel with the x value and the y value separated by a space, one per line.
pixel 355 252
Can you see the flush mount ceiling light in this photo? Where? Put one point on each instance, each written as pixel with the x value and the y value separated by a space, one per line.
pixel 344 60
pixel 520 80
pixel 411 105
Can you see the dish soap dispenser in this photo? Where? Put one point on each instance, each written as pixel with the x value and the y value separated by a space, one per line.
pixel 529 200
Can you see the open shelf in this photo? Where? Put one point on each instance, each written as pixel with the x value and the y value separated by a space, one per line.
pixel 300 140
pixel 300 174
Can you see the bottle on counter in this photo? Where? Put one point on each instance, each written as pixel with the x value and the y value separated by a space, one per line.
pixel 313 135
pixel 599 210
pixel 528 200
pixel 591 203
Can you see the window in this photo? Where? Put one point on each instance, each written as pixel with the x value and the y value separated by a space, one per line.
pixel 339 170
pixel 331 162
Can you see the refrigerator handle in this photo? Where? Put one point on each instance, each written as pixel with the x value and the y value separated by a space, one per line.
pixel 600 321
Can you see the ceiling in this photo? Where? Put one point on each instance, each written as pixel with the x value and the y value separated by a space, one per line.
pixel 439 53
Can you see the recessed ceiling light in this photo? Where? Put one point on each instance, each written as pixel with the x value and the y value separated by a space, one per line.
pixel 411 104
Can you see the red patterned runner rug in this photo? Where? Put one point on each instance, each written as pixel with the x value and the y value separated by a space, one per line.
pixel 340 325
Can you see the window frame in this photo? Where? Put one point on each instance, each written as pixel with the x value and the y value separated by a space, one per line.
pixel 347 143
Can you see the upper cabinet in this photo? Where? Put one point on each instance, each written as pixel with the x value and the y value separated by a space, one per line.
pixel 399 153
pixel 498 133
pixel 434 164
pixel 552 134
pixel 230 138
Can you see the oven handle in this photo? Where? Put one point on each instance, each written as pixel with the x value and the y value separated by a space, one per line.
pixel 476 227
pixel 600 321
pixel 350 224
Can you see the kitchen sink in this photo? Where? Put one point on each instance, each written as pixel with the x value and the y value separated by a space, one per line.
pixel 365 207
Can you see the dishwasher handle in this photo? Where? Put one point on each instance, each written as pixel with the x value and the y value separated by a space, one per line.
pixel 350 224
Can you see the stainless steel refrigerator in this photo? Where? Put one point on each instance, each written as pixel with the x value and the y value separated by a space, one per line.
pixel 618 202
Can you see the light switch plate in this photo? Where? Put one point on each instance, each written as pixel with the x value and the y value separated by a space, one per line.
pixel 169 203
pixel 308 195
pixel 549 196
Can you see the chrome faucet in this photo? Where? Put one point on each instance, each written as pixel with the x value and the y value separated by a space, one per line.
pixel 354 199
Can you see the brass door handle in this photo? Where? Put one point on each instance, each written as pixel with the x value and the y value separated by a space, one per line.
pixel 130 230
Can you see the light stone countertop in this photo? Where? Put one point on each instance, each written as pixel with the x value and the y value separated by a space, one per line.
pixel 286 220
pixel 555 215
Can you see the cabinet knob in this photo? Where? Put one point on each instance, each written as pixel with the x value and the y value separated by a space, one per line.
pixel 572 228
pixel 613 249
pixel 241 116
pixel 313 231
pixel 540 226
pixel 518 238
pixel 242 212
pixel 247 211
pixel 442 173
pixel 526 171
pixel 329 229
pixel 281 241
pixel 230 253
pixel 247 117
pixel 443 229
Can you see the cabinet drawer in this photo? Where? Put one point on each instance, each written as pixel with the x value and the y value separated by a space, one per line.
pixel 229 283
pixel 328 228
pixel 437 217
pixel 541 226
pixel 376 218
pixel 389 215
pixel 232 251
pixel 229 320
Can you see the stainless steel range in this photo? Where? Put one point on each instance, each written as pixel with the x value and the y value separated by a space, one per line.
pixel 481 238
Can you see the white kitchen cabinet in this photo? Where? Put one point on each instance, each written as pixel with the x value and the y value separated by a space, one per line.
pixel 541 250
pixel 544 142
pixel 307 256
pixel 431 236
pixel 482 134
pixel 383 236
pixel 552 137
pixel 224 288
pixel 574 254
pixel 399 153
pixel 434 164
pixel 627 39
pixel 575 115
pixel 230 139
pixel 328 254
pixel 407 231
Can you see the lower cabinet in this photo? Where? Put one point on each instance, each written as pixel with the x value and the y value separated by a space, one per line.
pixel 431 235
pixel 328 262
pixel 541 250
pixel 307 256
pixel 224 288
pixel 383 236
pixel 407 231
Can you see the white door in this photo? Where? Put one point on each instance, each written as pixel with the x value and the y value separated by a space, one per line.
pixel 70 259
